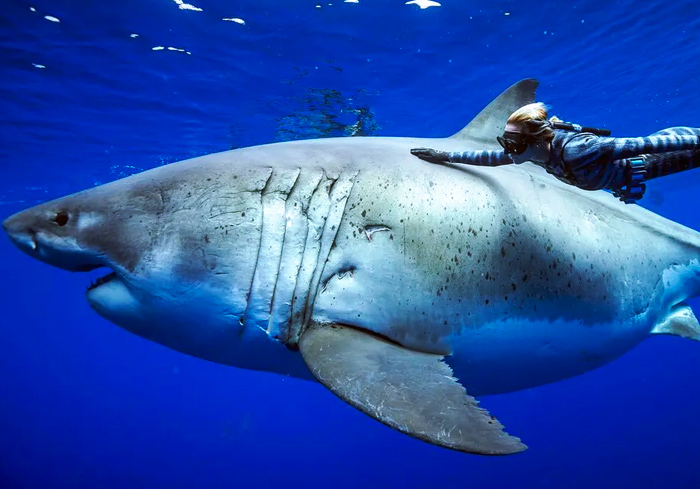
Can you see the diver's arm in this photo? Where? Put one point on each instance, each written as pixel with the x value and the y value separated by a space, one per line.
pixel 478 158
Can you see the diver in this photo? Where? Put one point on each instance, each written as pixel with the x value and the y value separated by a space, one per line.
pixel 583 156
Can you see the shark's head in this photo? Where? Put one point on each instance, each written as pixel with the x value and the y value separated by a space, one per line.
pixel 173 276
pixel 87 231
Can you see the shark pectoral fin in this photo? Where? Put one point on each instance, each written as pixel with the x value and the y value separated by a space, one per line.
pixel 681 321
pixel 410 391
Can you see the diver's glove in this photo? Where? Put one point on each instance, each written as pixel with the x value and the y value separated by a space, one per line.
pixel 431 155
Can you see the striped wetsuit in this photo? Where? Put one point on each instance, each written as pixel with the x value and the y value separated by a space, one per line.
pixel 592 162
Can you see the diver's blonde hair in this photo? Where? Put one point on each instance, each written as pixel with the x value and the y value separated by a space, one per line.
pixel 533 119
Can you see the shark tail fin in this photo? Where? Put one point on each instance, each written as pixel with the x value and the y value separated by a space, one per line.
pixel 491 121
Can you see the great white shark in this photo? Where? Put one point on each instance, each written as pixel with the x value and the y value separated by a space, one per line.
pixel 404 287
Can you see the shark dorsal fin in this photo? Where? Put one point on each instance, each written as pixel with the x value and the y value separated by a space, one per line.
pixel 491 121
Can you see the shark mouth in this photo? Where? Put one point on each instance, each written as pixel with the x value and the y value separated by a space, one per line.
pixel 101 280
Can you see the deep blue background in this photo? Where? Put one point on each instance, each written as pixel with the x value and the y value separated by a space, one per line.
pixel 84 404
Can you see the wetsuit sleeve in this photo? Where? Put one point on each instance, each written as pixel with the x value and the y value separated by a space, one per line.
pixel 588 148
pixel 480 158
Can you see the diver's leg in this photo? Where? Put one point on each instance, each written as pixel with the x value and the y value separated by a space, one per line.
pixel 678 131
pixel 662 164
pixel 627 176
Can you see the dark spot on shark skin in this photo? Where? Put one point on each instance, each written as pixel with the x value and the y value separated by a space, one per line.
pixel 206 238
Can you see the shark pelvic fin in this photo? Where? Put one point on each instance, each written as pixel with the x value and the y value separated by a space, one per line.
pixel 410 391
pixel 491 121
pixel 681 321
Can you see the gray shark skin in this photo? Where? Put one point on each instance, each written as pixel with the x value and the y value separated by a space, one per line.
pixel 404 287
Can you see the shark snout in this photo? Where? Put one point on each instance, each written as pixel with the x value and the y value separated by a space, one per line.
pixel 22 236
pixel 7 225
pixel 39 237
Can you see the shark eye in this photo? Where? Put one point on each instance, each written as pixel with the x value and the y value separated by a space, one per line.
pixel 61 218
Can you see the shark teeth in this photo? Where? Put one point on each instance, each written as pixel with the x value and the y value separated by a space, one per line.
pixel 102 280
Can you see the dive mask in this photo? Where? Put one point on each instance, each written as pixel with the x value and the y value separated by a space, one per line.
pixel 513 142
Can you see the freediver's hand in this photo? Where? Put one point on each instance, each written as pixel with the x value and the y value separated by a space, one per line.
pixel 431 155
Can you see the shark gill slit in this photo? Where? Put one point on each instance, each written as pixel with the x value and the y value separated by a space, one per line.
pixel 299 204
pixel 296 253
pixel 242 321
pixel 273 198
pixel 274 318
pixel 339 194
pixel 319 207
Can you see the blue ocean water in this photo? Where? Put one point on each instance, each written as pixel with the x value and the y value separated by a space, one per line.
pixel 93 91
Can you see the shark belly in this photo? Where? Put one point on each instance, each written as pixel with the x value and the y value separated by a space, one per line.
pixel 523 353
